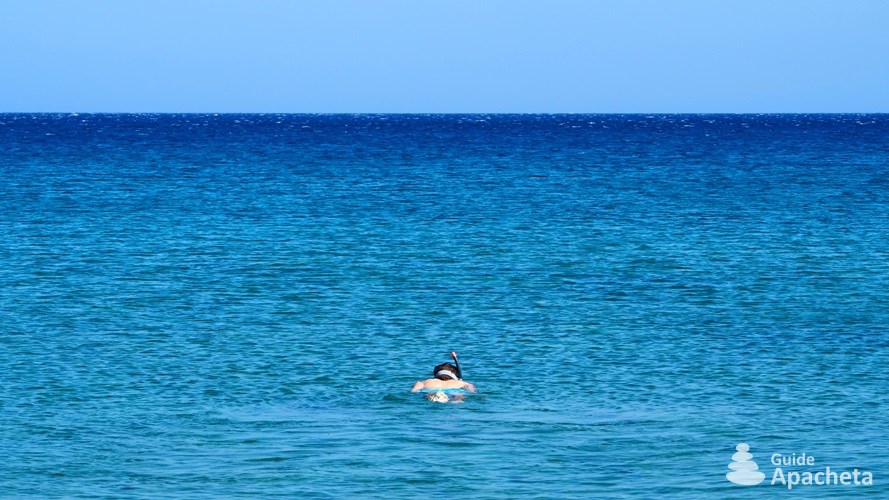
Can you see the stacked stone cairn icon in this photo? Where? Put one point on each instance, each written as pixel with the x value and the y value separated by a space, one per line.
pixel 744 470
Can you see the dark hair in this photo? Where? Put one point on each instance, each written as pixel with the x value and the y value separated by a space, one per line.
pixel 447 367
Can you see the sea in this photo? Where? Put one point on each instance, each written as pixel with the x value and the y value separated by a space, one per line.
pixel 237 305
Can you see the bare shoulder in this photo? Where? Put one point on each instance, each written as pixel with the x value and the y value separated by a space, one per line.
pixel 429 383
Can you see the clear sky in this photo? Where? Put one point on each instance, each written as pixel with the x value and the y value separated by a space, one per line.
pixel 596 56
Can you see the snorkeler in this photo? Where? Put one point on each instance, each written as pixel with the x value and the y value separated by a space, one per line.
pixel 446 384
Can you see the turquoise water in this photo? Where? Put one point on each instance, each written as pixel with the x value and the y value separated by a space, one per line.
pixel 238 305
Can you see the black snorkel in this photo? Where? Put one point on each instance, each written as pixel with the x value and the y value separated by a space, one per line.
pixel 457 363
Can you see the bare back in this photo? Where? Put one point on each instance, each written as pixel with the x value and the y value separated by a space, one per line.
pixel 434 383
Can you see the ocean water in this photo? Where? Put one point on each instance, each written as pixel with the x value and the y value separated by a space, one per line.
pixel 237 305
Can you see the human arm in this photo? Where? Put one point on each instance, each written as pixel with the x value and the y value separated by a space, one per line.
pixel 417 387
pixel 468 386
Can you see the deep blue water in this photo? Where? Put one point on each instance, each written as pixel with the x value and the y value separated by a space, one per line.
pixel 237 305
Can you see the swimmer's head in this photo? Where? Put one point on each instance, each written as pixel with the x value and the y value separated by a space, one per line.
pixel 446 371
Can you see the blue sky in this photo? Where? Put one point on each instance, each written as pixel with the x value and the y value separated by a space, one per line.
pixel 444 56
